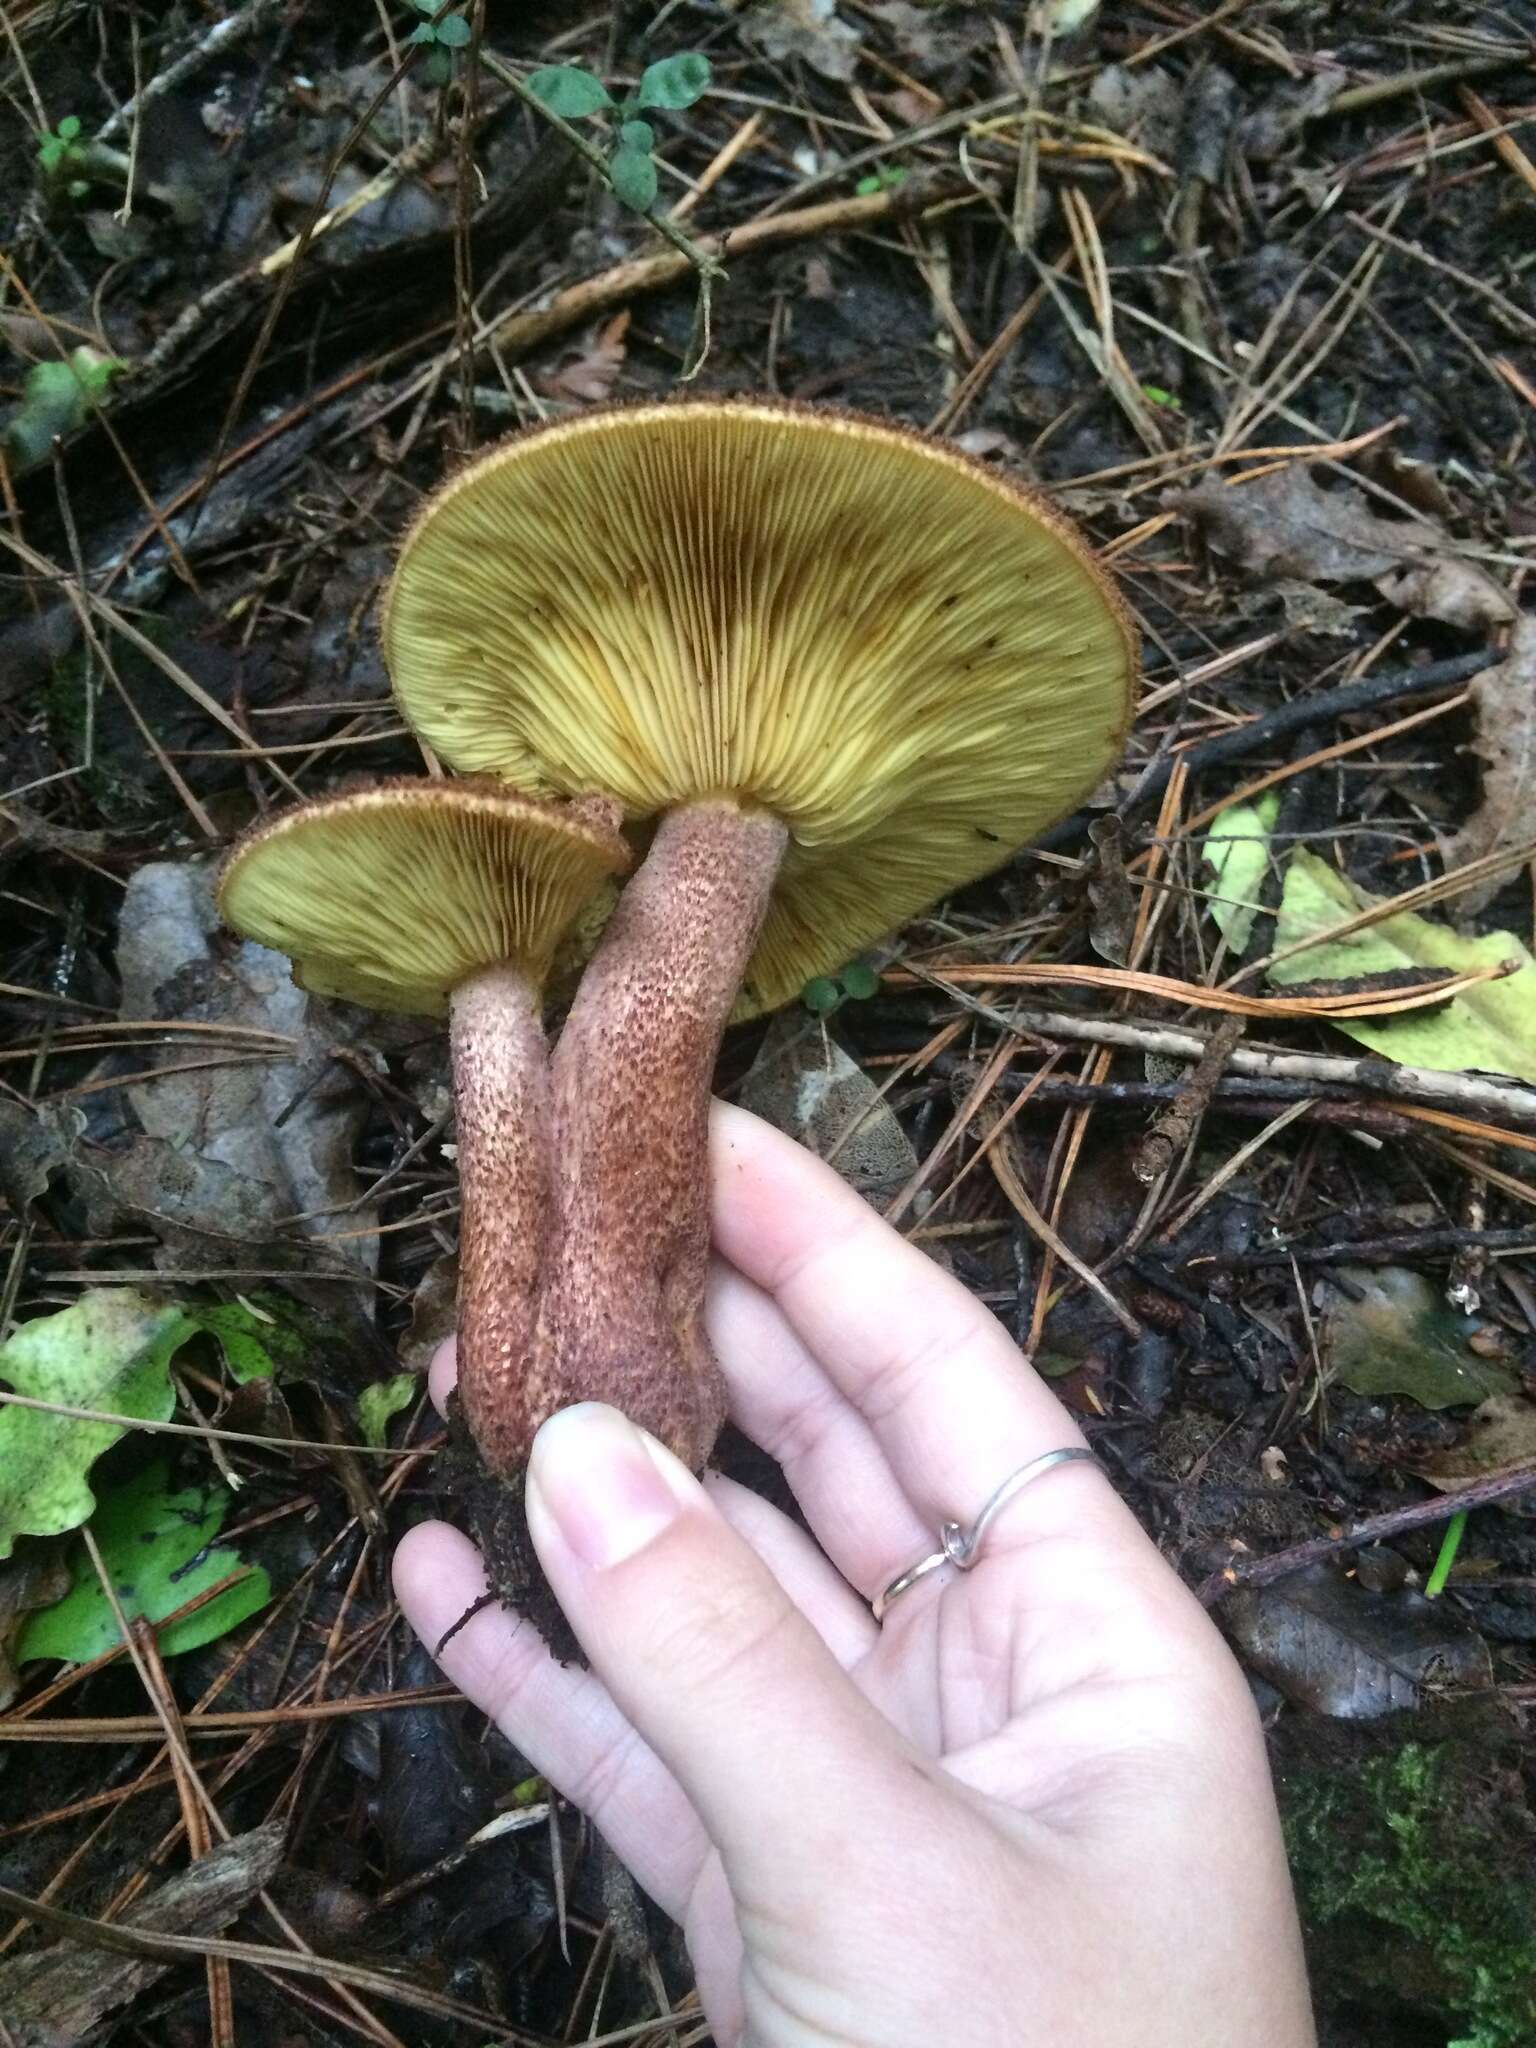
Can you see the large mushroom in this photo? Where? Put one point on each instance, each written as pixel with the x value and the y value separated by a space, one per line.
pixel 844 667
pixel 439 898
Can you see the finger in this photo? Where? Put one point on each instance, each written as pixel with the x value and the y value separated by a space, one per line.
pixel 443 1373
pixel 839 1617
pixel 949 1397
pixel 784 1401
pixel 562 1720
pixel 724 1677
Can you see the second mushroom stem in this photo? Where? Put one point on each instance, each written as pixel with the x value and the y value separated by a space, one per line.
pixel 501 1098
pixel 621 1298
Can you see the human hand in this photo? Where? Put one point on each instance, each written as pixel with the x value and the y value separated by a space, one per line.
pixel 1032 1807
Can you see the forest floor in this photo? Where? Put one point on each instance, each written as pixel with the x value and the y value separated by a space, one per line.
pixel 1249 289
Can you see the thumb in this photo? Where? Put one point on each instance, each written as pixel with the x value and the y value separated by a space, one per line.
pixel 704 1652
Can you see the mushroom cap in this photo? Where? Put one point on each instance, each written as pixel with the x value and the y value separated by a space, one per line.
pixel 914 662
pixel 394 895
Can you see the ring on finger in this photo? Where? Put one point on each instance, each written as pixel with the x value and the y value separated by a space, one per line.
pixel 960 1546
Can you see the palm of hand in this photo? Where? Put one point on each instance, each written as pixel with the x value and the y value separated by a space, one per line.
pixel 1056 1735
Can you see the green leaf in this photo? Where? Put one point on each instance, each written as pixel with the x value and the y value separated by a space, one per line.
pixel 156 1547
pixel 568 90
pixel 1389 1332
pixel 259 1336
pixel 821 996
pixel 56 399
pixel 860 981
pixel 453 31
pixel 634 178
pixel 1156 395
pixel 438 68
pixel 111 1351
pixel 1237 853
pixel 423 32
pixel 884 180
pixel 674 81
pixel 379 1404
pixel 1491 1029
pixel 638 135
pixel 68 128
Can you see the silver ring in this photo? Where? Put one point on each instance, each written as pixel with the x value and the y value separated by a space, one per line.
pixel 958 1546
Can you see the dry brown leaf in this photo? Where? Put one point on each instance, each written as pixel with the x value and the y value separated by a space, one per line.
pixel 1500 1438
pixel 1286 525
pixel 592 370
pixel 1504 707
pixel 804 1083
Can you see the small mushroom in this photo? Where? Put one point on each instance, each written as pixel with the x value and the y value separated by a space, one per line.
pixel 846 668
pixel 439 898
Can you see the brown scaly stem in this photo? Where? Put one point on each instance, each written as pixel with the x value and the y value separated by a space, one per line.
pixel 501 1095
pixel 620 1307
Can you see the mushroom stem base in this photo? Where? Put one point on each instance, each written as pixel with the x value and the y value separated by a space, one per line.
pixel 621 1305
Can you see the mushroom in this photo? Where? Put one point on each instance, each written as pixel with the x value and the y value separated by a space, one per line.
pixel 438 898
pixel 846 668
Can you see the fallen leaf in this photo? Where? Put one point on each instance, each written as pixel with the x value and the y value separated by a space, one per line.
pixel 804 1083
pixel 434 1313
pixel 1489 1029
pixel 1113 904
pixel 1237 854
pixel 1285 525
pixel 593 369
pixel 379 1404
pixel 35 1140
pixel 1330 1645
pixel 1500 1437
pixel 266 1140
pixel 1388 1331
pixel 55 1998
pixel 111 1350
pixel 157 1548
pixel 809 29
pixel 1504 710
pixel 35 1577
pixel 1283 113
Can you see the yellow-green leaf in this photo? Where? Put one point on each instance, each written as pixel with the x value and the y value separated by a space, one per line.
pixel 1490 1029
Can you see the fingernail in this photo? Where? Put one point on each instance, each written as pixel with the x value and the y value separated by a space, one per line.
pixel 606 1486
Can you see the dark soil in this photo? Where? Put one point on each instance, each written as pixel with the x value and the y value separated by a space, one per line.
pixel 1226 233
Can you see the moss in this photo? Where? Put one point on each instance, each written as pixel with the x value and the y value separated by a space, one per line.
pixel 1414 1869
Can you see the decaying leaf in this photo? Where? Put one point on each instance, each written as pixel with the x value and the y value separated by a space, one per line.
pixel 809 29
pixel 55 1998
pixel 805 1083
pixel 35 1139
pixel 1328 1644
pixel 1237 853
pixel 434 1313
pixel 1504 707
pixel 588 374
pixel 35 1577
pixel 1489 1029
pixel 1286 525
pixel 1500 1437
pixel 157 1548
pixel 1387 1331
pixel 1112 901
pixel 284 1125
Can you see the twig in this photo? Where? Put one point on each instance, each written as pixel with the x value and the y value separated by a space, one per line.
pixel 520 332
pixel 1369 1074
pixel 1402 1244
pixel 1424 1514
